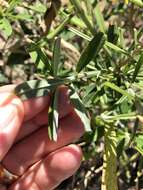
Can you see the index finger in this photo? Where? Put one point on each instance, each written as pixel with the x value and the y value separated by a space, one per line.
pixel 34 106
pixel 31 106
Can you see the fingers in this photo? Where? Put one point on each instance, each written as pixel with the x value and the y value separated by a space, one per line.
pixel 37 145
pixel 64 108
pixel 35 105
pixel 50 172
pixel 36 109
pixel 31 106
pixel 11 115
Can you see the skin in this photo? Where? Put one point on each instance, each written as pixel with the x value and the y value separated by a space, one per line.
pixel 25 148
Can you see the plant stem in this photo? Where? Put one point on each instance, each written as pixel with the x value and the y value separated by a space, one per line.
pixel 61 26
pixel 109 174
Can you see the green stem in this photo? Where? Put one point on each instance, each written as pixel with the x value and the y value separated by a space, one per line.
pixel 109 174
pixel 59 29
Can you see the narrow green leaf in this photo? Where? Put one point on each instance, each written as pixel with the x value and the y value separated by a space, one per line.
pixel 39 57
pixel 139 143
pixel 120 147
pixel 36 59
pixel 82 14
pixel 57 30
pixel 79 108
pixel 139 149
pixel 56 56
pixel 36 88
pixel 100 19
pixel 55 107
pixel 138 67
pixel 76 21
pixel 22 16
pixel 111 118
pixel 38 7
pixel 118 89
pixel 91 51
pixel 121 38
pixel 137 2
pixel 107 43
pixel 5 26
pixel 79 33
pixel 112 34
pixel 54 117
pixel 12 5
pixel 116 48
pixel 44 59
pixel 50 122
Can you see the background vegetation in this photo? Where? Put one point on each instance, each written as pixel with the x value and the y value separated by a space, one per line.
pixel 108 76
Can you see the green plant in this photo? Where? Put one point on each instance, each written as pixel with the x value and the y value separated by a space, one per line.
pixel 108 74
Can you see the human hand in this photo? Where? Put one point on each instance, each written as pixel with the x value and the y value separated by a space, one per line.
pixel 25 149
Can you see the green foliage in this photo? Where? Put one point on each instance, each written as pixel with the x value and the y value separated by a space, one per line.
pixel 91 51
pixel 105 81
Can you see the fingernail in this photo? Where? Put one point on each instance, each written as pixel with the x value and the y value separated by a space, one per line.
pixel 7 114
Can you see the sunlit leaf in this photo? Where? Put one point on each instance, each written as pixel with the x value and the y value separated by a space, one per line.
pixel 5 26
pixel 100 18
pixel 79 108
pixel 56 56
pixel 91 51
pixel 118 89
pixel 39 57
pixel 36 88
pixel 138 67
pixel 139 143
pixel 53 117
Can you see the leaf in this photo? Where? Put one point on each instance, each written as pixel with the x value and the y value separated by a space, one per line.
pixel 39 57
pixel 82 14
pixel 112 34
pixel 138 67
pixel 56 56
pixel 100 19
pixel 79 33
pixel 12 5
pixel 38 7
pixel 55 109
pixel 79 108
pixel 111 118
pixel 6 26
pixel 107 44
pixel 36 59
pixel 54 117
pixel 139 143
pixel 89 95
pixel 120 147
pixel 116 48
pixel 36 88
pixel 91 51
pixel 50 123
pixel 118 89
pixel 23 16
pixel 137 2
pixel 57 30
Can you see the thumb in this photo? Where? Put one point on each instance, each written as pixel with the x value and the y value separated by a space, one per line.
pixel 11 117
